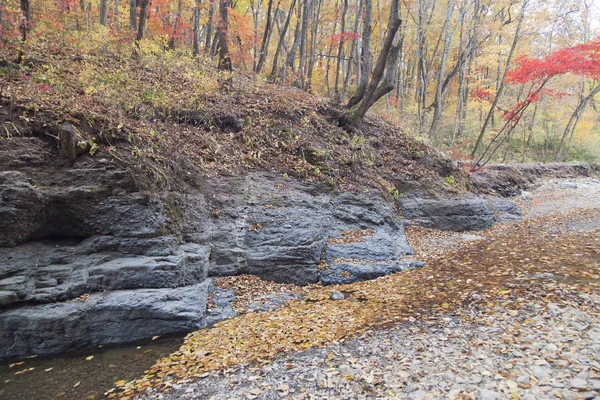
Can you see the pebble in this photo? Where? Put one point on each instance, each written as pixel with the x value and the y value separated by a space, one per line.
pixel 336 295
pixel 578 384
pixel 484 394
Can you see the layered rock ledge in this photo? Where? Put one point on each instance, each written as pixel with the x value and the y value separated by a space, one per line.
pixel 88 256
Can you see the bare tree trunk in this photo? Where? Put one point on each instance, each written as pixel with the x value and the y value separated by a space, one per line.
pixel 387 97
pixel 264 47
pixel 26 19
pixel 437 103
pixel 176 25
pixel 384 75
pixel 142 20
pixel 133 14
pixel 273 74
pixel 313 45
pixel 568 152
pixel 340 53
pixel 223 34
pixel 291 56
pixel 328 67
pixel 531 125
pixel 573 120
pixel 458 120
pixel 196 39
pixel 103 10
pixel 365 55
pixel 421 87
pixel 255 8
pixel 209 26
pixel 501 87
pixel 2 18
pixel 352 49
pixel 306 12
pixel 118 14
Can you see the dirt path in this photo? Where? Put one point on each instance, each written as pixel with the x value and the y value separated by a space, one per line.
pixel 508 313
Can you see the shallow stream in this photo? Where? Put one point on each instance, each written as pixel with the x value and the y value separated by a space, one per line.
pixel 80 375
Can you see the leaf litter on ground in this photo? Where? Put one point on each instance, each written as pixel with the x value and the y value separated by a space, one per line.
pixel 506 267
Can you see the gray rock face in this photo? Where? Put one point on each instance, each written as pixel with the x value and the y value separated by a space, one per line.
pixel 376 241
pixel 45 272
pixel 279 230
pixel 83 229
pixel 274 228
pixel 221 306
pixel 103 318
pixel 504 209
pixel 448 214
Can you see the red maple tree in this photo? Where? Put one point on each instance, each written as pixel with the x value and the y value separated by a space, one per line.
pixel 583 60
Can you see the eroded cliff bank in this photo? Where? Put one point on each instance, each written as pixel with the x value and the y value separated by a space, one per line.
pixel 92 253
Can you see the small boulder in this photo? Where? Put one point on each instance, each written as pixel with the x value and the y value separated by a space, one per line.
pixel 336 295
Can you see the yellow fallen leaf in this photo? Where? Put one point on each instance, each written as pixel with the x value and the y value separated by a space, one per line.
pixel 77 384
pixel 16 364
pixel 89 358
pixel 49 369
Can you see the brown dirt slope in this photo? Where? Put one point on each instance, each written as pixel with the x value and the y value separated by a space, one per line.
pixel 254 126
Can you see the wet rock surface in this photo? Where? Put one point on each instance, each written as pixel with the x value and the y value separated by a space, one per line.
pixel 102 318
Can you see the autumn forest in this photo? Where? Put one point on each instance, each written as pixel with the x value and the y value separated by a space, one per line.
pixel 506 80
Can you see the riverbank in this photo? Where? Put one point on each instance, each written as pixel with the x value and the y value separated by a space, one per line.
pixel 562 213
pixel 513 312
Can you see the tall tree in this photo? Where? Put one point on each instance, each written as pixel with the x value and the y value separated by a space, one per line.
pixel 209 26
pixel 352 50
pixel 264 47
pixel 133 14
pixel 574 120
pixel 306 13
pixel 340 54
pixel 223 36
pixel 437 103
pixel 118 14
pixel 103 11
pixel 384 75
pixel 365 54
pixel 291 56
pixel 196 37
pixel 313 45
pixel 142 20
pixel 500 88
pixel 25 18
pixel 273 74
